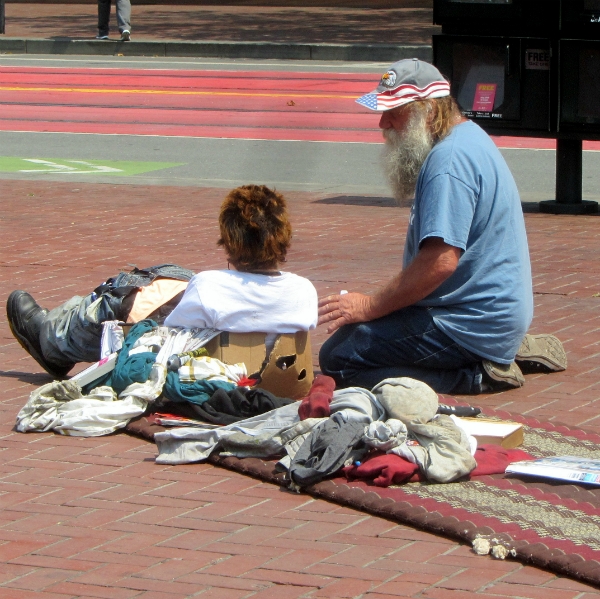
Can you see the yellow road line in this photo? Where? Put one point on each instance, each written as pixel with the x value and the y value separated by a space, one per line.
pixel 92 90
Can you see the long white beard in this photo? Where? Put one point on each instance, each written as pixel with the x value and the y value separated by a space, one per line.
pixel 404 155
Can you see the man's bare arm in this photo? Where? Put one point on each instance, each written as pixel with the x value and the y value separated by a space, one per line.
pixel 433 264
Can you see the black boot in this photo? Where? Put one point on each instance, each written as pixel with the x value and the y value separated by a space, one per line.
pixel 25 319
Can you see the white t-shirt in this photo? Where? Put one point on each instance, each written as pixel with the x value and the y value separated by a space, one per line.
pixel 242 302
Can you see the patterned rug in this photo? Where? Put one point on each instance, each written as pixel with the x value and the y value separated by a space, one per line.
pixel 550 524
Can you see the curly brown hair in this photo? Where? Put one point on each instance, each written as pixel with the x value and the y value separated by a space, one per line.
pixel 255 228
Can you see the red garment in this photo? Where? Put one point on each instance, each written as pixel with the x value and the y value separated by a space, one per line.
pixel 390 469
pixel 383 469
pixel 246 382
pixel 494 459
pixel 316 403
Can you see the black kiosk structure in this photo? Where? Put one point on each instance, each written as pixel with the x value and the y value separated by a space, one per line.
pixel 528 68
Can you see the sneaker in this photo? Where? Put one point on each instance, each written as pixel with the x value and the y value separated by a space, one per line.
pixel 102 36
pixel 125 35
pixel 25 319
pixel 502 376
pixel 541 353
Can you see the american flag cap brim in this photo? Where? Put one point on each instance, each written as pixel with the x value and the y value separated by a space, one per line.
pixel 403 94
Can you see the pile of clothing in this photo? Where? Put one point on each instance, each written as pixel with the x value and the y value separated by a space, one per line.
pixel 143 380
pixel 389 434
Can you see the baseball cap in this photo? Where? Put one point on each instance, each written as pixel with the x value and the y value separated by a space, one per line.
pixel 406 81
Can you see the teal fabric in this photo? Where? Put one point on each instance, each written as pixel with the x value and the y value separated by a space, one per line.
pixel 197 392
pixel 134 369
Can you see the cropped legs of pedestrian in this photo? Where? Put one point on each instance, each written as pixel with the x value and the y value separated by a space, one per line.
pixel 123 19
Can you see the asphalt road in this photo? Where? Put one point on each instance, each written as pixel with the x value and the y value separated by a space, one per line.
pixel 285 146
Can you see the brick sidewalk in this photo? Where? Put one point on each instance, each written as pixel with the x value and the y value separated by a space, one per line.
pixel 408 25
pixel 98 518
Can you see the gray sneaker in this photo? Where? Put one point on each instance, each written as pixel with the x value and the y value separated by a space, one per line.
pixel 541 353
pixel 125 35
pixel 102 36
pixel 502 376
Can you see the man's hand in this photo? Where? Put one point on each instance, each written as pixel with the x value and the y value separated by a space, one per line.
pixel 338 310
pixel 433 264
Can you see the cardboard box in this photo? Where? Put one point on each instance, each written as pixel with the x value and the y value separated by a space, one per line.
pixel 287 373
pixel 505 433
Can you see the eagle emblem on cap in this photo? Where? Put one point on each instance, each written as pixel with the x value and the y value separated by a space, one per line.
pixel 389 79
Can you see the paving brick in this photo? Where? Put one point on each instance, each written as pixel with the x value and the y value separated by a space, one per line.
pixel 559 582
pixel 237 565
pixel 44 561
pixel 13 549
pixel 296 560
pixel 177 567
pixel 11 571
pixel 338 571
pixel 158 586
pixel 529 576
pixel 227 582
pixel 399 587
pixel 314 531
pixel 88 590
pixel 134 560
pixel 40 579
pixel 282 591
pixel 293 578
pixel 471 580
pixel 530 592
pixel 347 587
pixel 197 524
pixel 194 539
pixel 107 574
pixel 216 593
pixel 449 594
pixel 227 548
pixel 131 543
pixel 24 594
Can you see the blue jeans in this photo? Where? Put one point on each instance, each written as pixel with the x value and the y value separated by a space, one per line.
pixel 404 343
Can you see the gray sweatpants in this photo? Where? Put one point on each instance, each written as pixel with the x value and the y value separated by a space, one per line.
pixel 123 15
pixel 69 336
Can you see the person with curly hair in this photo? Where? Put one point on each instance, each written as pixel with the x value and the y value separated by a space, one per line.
pixel 251 295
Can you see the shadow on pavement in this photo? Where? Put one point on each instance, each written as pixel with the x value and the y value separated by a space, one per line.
pixel 358 201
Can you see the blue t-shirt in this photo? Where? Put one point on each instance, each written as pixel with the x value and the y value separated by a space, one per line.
pixel 466 195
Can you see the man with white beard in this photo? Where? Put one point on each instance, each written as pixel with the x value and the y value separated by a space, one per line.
pixel 457 314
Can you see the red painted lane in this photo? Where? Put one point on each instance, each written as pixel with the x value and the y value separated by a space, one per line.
pixel 228 104
pixel 289 104
pixel 214 131
pixel 232 119
pixel 258 105
pixel 187 74
pixel 184 80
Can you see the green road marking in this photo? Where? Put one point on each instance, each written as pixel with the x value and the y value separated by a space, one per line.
pixel 123 168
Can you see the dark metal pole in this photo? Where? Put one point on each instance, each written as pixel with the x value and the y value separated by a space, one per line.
pixel 569 172
pixel 1 16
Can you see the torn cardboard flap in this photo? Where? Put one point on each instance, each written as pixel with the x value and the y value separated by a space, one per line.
pixel 288 372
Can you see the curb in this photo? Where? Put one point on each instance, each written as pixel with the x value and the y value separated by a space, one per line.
pixel 213 49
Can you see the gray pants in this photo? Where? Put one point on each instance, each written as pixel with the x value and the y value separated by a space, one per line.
pixel 68 336
pixel 123 15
